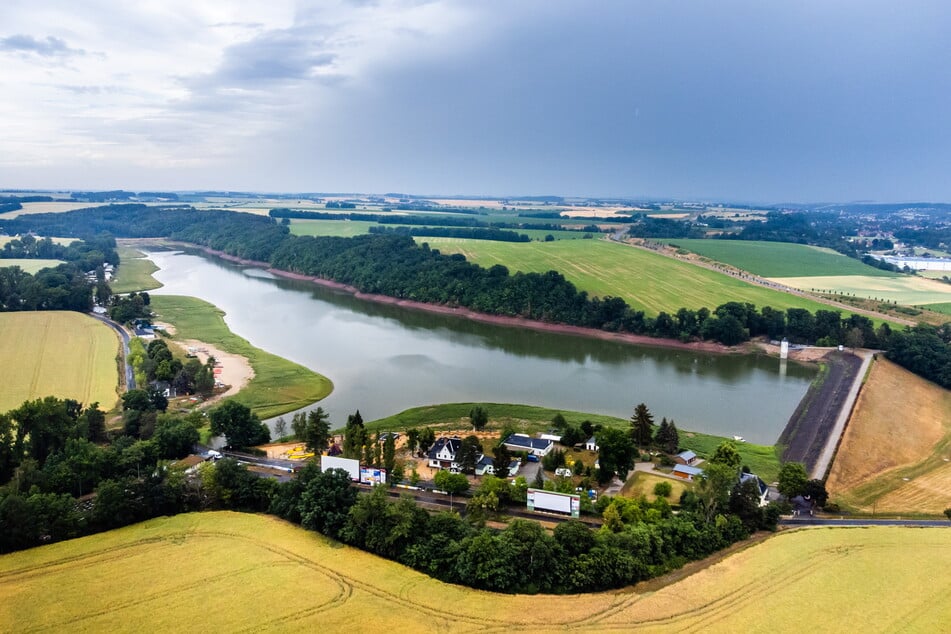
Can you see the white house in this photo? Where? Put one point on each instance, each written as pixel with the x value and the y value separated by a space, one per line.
pixel 591 444
pixel 442 455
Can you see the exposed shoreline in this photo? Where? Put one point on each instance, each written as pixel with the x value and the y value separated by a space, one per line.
pixel 465 313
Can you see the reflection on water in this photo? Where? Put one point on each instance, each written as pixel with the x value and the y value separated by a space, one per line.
pixel 383 358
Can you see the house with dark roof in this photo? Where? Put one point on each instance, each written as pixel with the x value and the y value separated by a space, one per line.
pixel 761 486
pixel 534 446
pixel 486 465
pixel 442 455
pixel 591 444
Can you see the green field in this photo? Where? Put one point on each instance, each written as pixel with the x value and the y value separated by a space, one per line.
pixel 134 272
pixel 30 265
pixel 279 386
pixel 350 228
pixel 944 307
pixel 779 259
pixel 761 459
pixel 234 572
pixel 341 228
pixel 905 290
pixel 57 353
pixel 645 280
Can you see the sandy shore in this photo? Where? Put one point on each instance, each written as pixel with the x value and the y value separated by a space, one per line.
pixel 236 371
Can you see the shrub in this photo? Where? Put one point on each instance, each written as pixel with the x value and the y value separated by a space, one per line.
pixel 663 489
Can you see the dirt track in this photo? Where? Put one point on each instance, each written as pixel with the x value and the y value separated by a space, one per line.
pixel 808 429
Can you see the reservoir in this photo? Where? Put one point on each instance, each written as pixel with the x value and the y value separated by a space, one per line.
pixel 383 359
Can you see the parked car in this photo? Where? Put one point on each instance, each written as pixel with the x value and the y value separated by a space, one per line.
pixel 532 458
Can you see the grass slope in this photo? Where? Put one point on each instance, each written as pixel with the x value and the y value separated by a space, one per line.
pixel 217 570
pixel 761 459
pixel 645 280
pixel 57 353
pixel 895 455
pixel 944 307
pixel 905 290
pixel 134 272
pixel 278 386
pixel 30 265
pixel 779 259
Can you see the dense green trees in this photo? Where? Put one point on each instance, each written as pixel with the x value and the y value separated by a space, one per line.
pixel 313 429
pixel 642 426
pixel 238 425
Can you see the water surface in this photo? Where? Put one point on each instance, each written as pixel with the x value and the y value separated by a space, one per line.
pixel 383 359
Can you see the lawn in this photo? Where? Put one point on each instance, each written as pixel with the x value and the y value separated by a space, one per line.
pixel 905 290
pixel 216 569
pixel 779 259
pixel 30 265
pixel 57 353
pixel 279 386
pixel 641 483
pixel 645 280
pixel 134 272
pixel 895 455
pixel 761 459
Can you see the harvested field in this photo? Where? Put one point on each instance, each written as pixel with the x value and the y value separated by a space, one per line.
pixel 809 427
pixel 779 259
pixel 162 573
pixel 645 280
pixel 30 265
pixel 905 290
pixel 48 208
pixel 895 455
pixel 57 353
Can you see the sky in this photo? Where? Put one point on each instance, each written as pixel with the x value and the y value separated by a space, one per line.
pixel 754 100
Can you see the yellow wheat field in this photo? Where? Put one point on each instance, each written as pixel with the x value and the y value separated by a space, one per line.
pixel 57 353
pixel 249 573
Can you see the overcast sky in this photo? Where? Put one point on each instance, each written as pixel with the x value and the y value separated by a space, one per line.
pixel 757 100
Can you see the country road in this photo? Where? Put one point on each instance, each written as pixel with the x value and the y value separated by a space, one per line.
pixel 125 338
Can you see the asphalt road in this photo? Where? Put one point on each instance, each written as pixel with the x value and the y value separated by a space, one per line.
pixel 124 336
pixel 816 521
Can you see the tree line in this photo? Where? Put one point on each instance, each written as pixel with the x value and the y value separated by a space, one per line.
pixel 396 266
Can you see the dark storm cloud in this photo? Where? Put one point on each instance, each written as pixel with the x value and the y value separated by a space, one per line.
pixel 48 47
pixel 756 101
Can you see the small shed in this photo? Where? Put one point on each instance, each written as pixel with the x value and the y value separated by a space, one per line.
pixel 591 444
pixel 686 458
pixel 686 472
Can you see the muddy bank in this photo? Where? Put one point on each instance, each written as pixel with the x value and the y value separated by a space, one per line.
pixel 465 313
